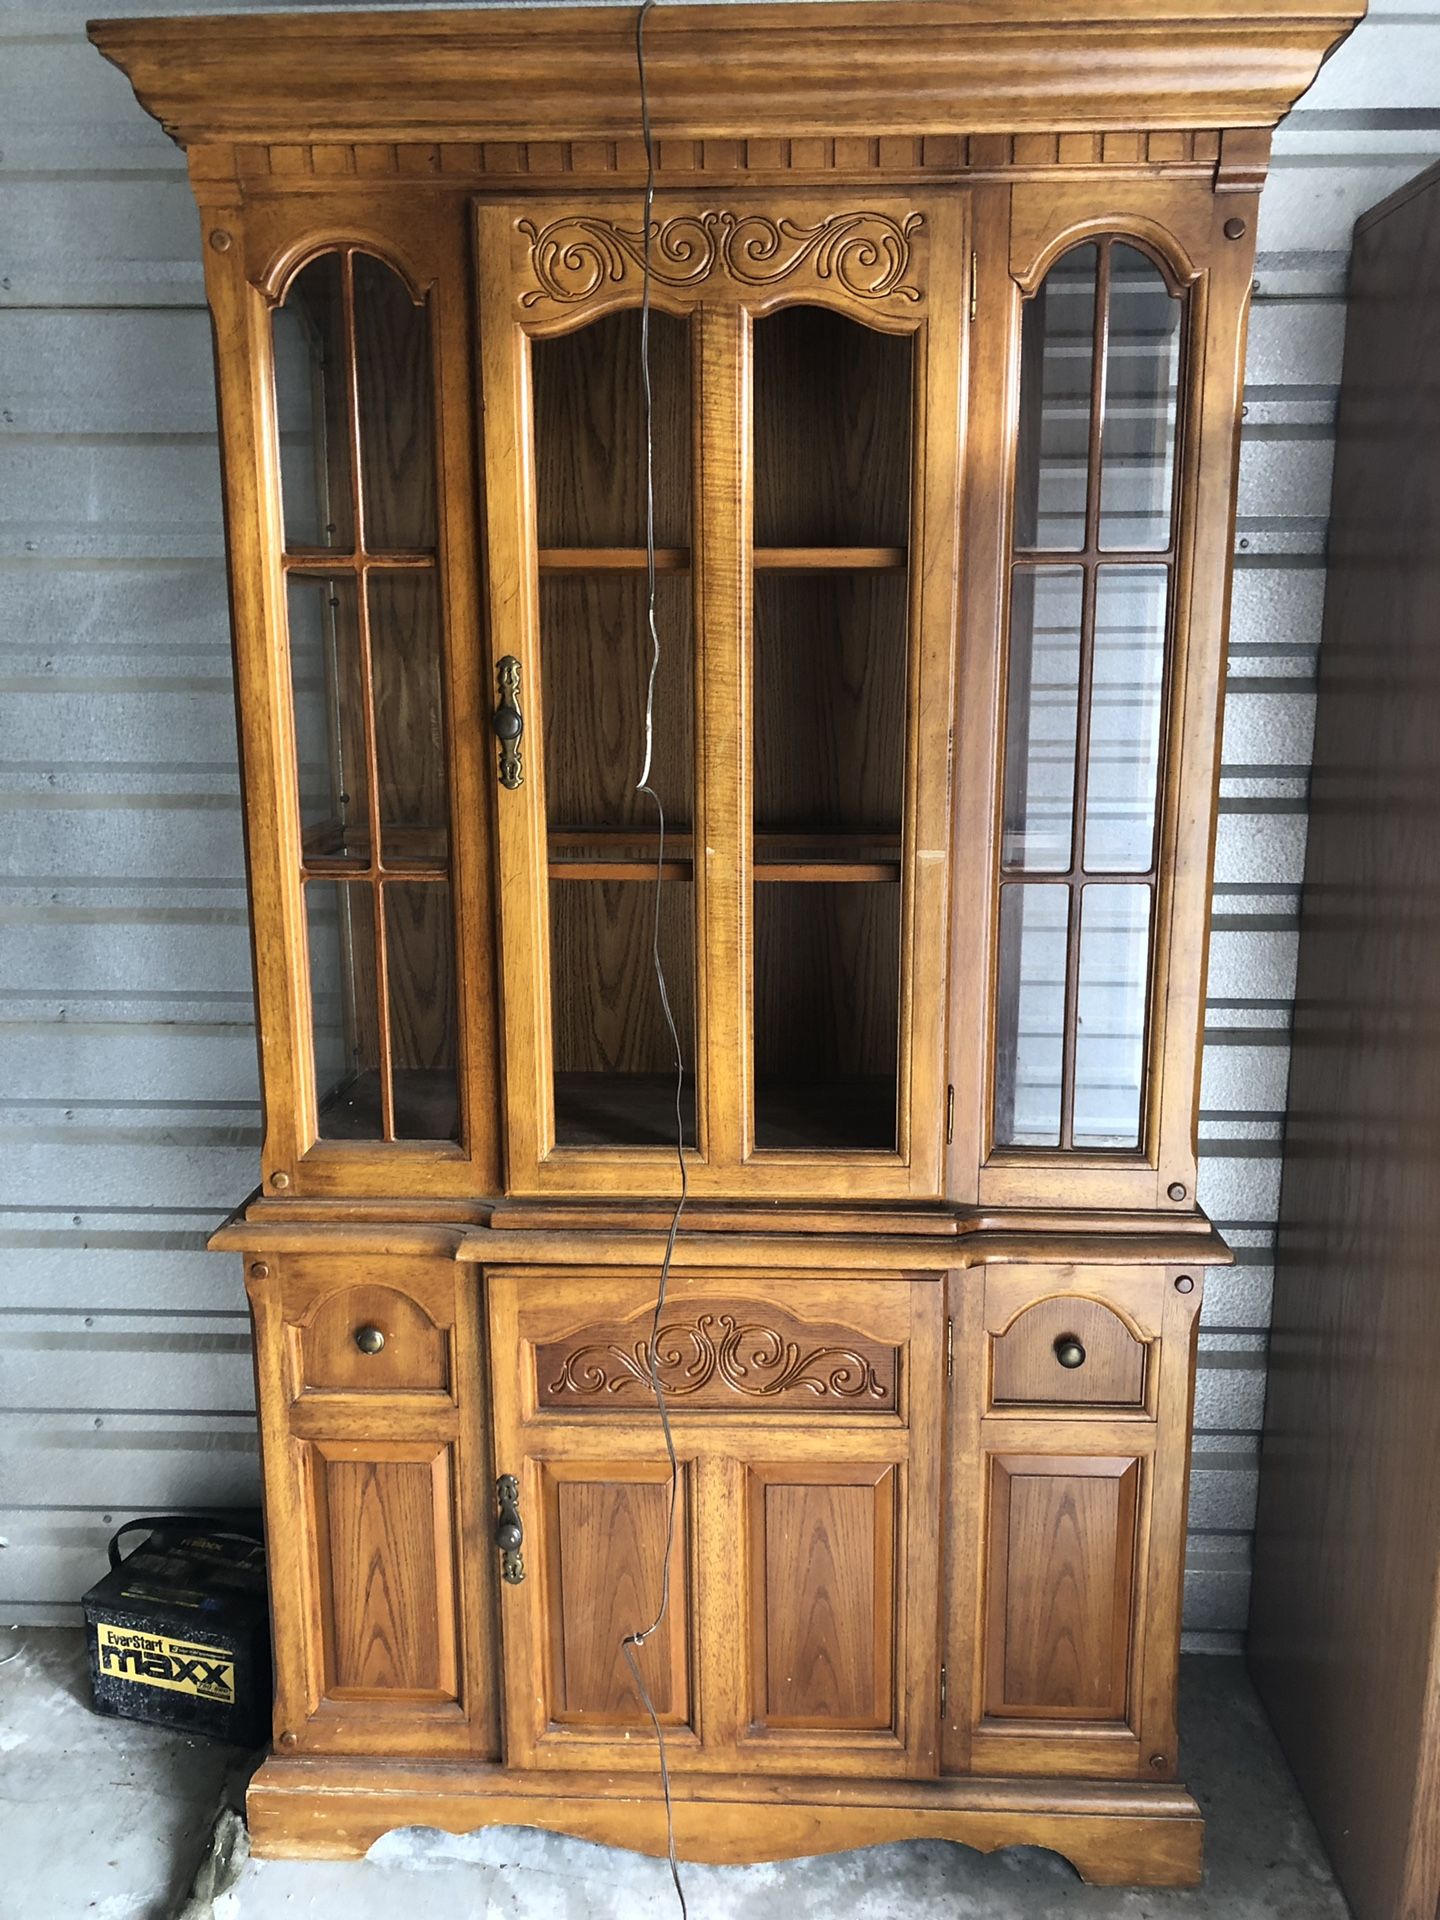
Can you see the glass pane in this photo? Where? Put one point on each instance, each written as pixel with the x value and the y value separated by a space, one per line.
pixel 832 423
pixel 829 705
pixel 312 408
pixel 590 439
pixel 397 399
pixel 827 1015
pixel 1142 385
pixel 595 651
pixel 1126 687
pixel 420 974
pixel 1110 1016
pixel 329 717
pixel 1041 718
pixel 409 717
pixel 340 922
pixel 614 1059
pixel 1056 372
pixel 832 432
pixel 1030 1015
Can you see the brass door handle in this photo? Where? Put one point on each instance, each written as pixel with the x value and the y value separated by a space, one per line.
pixel 509 1531
pixel 1069 1352
pixel 508 722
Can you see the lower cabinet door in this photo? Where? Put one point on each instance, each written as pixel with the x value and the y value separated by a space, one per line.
pixel 383 1595
pixel 1071 1417
pixel 601 1569
pixel 800 1618
pixel 1061 1618
pixel 831 1560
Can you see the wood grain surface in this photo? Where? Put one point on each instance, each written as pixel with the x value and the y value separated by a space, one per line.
pixel 1345 1619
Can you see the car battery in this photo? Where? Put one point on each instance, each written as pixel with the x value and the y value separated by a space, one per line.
pixel 179 1630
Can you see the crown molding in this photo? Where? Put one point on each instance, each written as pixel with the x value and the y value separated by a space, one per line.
pixel 896 67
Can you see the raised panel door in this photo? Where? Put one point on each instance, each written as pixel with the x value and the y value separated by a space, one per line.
pixel 1069 1440
pixel 800 1629
pixel 606 1526
pixel 1061 1587
pixel 381 1595
pixel 385 1556
pixel 822 1585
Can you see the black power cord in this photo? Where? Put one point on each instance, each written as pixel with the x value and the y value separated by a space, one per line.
pixel 635 1640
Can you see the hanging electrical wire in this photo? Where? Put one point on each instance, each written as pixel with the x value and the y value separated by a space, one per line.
pixel 632 1643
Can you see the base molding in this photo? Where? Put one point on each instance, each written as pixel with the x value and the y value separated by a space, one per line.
pixel 1113 1834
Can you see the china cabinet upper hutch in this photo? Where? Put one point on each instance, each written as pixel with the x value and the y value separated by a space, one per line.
pixel 949 307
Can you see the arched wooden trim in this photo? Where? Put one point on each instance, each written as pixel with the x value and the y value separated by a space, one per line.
pixel 278 279
pixel 1127 1319
pixel 1158 243
pixel 340 1288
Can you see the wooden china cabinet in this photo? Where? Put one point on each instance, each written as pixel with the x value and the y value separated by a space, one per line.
pixel 946 353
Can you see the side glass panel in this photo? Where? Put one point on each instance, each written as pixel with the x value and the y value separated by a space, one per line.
pixel 1041 714
pixel 1110 1016
pixel 832 424
pixel 1057 355
pixel 612 1056
pixel 1142 387
pixel 1091 592
pixel 1127 684
pixel 353 369
pixel 1030 1018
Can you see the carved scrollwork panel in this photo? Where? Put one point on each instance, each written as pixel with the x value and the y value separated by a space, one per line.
pixel 865 255
pixel 718 1361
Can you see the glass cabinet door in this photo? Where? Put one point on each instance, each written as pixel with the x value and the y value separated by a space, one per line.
pixel 1090 619
pixel 355 406
pixel 800 765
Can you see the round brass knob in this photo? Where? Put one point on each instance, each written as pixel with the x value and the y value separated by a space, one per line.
pixel 509 1536
pixel 369 1339
pixel 1069 1352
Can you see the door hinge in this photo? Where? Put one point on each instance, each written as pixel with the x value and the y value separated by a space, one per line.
pixel 949 1116
pixel 950 1348
pixel 974 279
pixel 944 1690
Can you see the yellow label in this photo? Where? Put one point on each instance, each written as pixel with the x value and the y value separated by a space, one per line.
pixel 179 1666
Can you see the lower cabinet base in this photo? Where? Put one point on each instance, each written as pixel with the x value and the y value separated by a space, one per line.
pixel 1113 1834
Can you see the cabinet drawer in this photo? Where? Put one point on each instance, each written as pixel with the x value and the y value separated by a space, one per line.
pixel 361 1328
pixel 1073 1339
pixel 1068 1352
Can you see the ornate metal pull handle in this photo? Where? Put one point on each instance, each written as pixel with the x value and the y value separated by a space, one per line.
pixel 1069 1352
pixel 509 722
pixel 509 1533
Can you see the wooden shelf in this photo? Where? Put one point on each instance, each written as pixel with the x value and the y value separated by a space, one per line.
pixel 763 872
pixel 830 559
pixel 638 1110
pixel 765 559
pixel 427 1106
pixel 612 559
pixel 615 853
pixel 332 850
pixel 328 560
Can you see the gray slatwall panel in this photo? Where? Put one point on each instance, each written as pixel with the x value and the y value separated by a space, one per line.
pixel 126 1052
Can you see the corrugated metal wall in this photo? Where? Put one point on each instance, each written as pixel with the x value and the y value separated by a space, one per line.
pixel 127 1056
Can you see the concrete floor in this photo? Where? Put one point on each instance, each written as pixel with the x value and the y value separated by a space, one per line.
pixel 102 1820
